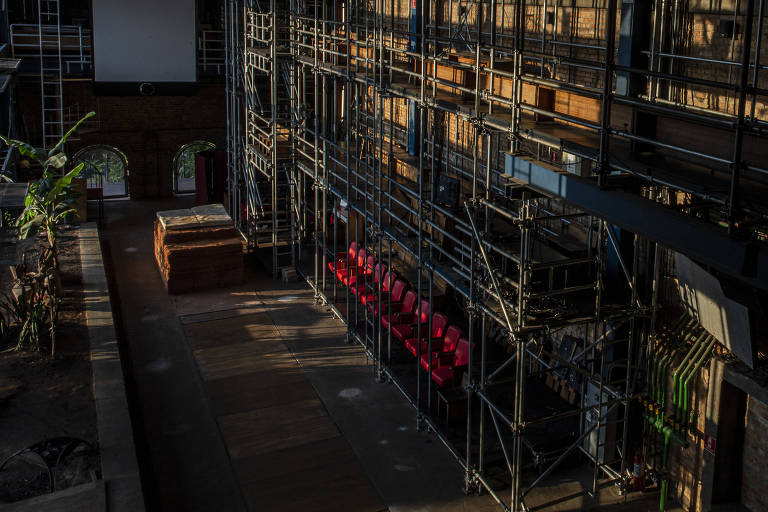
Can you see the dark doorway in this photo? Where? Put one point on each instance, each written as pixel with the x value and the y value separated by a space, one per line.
pixel 730 445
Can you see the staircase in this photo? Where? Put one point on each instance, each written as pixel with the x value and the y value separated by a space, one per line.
pixel 269 127
pixel 274 223
pixel 50 72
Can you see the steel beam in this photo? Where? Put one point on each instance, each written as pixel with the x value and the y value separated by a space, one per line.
pixel 697 239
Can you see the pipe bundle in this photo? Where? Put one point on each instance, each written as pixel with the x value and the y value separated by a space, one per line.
pixel 677 356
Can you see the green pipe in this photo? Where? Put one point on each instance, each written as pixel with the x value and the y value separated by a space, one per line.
pixel 669 434
pixel 661 361
pixel 663 353
pixel 659 381
pixel 695 358
pixel 702 354
pixel 681 368
pixel 658 371
pixel 657 350
pixel 663 492
pixel 704 357
pixel 665 365
pixel 685 372
pixel 686 335
pixel 665 426
pixel 683 328
pixel 653 357
pixel 652 365
pixel 681 337
pixel 666 362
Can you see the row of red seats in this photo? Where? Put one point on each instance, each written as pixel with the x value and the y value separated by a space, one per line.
pixel 398 309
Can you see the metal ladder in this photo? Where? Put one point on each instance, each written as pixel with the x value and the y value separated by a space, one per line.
pixel 51 87
pixel 283 234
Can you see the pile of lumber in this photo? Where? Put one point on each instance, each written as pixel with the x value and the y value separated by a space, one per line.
pixel 198 248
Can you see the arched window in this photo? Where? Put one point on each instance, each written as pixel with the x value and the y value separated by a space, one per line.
pixel 184 165
pixel 105 167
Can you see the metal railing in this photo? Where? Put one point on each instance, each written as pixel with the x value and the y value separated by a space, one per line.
pixel 31 41
pixel 211 52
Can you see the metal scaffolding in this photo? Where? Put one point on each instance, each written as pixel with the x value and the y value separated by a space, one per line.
pixel 260 81
pixel 349 120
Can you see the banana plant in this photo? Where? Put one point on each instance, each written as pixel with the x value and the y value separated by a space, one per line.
pixel 49 202
pixel 50 199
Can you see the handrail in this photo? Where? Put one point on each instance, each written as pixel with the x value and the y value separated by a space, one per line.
pixel 211 51
pixel 34 41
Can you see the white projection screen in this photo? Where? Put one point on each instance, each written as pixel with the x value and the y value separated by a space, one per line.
pixel 137 41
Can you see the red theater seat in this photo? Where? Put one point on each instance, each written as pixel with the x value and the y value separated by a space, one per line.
pixel 439 322
pixel 396 297
pixel 440 347
pixel 371 279
pixel 407 325
pixel 446 375
pixel 343 259
pixel 404 309
pixel 386 285
pixel 361 273
pixel 350 269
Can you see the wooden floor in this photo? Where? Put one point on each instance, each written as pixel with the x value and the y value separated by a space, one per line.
pixel 286 451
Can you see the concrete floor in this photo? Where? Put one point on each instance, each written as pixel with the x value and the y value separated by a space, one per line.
pixel 190 458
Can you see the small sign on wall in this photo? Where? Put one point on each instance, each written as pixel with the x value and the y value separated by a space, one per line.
pixel 710 443
pixel 342 212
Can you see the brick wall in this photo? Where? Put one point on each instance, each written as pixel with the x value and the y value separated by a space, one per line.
pixel 706 42
pixel 149 130
pixel 686 464
pixel 754 482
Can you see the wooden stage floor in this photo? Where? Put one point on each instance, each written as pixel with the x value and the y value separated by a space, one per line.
pixel 286 451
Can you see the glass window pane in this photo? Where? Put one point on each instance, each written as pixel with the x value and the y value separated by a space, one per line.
pixel 104 168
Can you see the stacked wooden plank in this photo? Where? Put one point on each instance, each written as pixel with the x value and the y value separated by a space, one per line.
pixel 198 248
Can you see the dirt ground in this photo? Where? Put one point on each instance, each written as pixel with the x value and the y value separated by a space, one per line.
pixel 43 398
